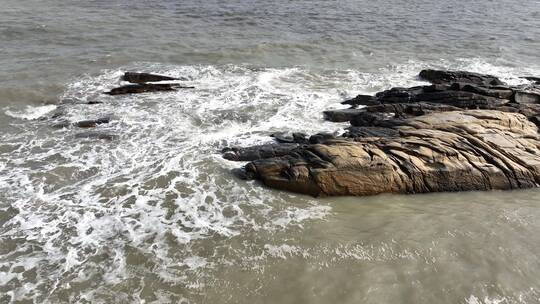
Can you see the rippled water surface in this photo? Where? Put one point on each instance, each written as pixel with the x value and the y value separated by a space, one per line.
pixel 154 214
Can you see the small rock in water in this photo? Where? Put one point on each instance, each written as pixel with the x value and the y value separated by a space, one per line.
pixel 145 88
pixel 135 77
pixel 92 123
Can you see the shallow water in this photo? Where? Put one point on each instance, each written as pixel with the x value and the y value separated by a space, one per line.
pixel 154 215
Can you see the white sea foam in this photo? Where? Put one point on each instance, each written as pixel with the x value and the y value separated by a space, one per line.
pixel 475 300
pixel 31 112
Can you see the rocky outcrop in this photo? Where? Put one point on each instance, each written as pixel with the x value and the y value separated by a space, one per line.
pixel 452 151
pixel 470 134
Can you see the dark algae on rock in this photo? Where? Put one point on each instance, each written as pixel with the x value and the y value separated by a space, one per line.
pixel 466 131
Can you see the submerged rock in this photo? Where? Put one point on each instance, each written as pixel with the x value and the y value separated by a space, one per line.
pixel 91 123
pixel 135 77
pixel 96 135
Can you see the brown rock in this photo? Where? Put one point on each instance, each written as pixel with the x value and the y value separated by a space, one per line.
pixel 451 151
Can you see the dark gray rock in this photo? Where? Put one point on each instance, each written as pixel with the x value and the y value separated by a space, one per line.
pixel 361 100
pixel 441 95
pixel 91 123
pixel 401 110
pixel 135 77
pixel 96 135
pixel 282 137
pixel 535 120
pixel 373 119
pixel 527 96
pixel 341 115
pixel 320 138
pixel 496 91
pixel 361 132
pixel 145 88
pixel 258 152
pixel 440 76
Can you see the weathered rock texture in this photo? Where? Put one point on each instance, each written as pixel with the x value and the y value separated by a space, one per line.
pixel 453 151
pixel 473 134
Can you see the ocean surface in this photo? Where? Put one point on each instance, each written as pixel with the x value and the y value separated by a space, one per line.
pixel 155 216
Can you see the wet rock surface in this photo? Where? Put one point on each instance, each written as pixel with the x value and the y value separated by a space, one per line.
pixel 136 77
pixel 91 123
pixel 442 76
pixel 144 83
pixel 258 152
pixel 97 135
pixel 467 131
pixel 145 88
